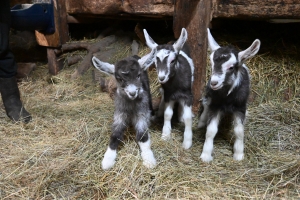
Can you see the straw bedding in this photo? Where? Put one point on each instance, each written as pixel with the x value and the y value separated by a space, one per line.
pixel 58 154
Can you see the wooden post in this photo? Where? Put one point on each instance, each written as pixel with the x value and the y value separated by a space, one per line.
pixel 55 40
pixel 194 15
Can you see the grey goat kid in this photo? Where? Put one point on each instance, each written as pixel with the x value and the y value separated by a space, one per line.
pixel 227 92
pixel 133 105
pixel 175 71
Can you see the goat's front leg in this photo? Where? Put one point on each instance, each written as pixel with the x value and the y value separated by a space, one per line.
pixel 143 139
pixel 166 132
pixel 188 121
pixel 117 135
pixel 211 132
pixel 238 147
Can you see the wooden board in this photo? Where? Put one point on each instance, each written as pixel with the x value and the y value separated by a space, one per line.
pixel 61 34
pixel 154 8
pixel 256 9
pixel 196 24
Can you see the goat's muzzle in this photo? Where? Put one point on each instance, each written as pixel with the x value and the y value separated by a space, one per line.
pixel 215 85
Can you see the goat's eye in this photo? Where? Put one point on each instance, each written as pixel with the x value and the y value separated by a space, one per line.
pixel 173 61
pixel 138 76
pixel 230 68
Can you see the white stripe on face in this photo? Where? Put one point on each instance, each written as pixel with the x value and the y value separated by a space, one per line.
pixel 131 91
pixel 163 74
pixel 220 78
pixel 161 54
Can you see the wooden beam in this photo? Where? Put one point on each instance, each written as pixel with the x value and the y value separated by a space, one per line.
pixel 54 63
pixel 195 16
pixel 61 34
pixel 55 40
pixel 257 9
pixel 115 7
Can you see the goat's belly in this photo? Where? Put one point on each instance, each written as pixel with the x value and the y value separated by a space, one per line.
pixel 228 108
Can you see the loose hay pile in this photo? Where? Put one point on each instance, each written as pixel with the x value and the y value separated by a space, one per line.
pixel 58 154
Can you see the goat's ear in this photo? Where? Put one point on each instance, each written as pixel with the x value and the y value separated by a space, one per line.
pixel 149 41
pixel 181 40
pixel 103 66
pixel 147 60
pixel 213 45
pixel 250 52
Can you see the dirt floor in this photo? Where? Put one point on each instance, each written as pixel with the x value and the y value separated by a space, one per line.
pixel 58 155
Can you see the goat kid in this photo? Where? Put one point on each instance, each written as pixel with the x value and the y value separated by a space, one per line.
pixel 227 92
pixel 175 71
pixel 132 105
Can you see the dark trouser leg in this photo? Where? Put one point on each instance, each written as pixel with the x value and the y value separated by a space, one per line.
pixel 11 99
pixel 8 68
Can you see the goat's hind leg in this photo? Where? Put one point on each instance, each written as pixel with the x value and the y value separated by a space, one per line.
pixel 203 116
pixel 143 139
pixel 161 108
pixel 187 117
pixel 115 138
pixel 211 132
pixel 238 147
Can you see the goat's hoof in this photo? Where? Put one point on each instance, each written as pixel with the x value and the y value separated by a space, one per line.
pixel 149 163
pixel 148 160
pixel 187 144
pixel 109 159
pixel 166 133
pixel 238 156
pixel 206 157
pixel 166 137
pixel 107 164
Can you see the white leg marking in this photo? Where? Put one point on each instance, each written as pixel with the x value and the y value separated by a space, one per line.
pixel 109 158
pixel 238 147
pixel 188 121
pixel 166 132
pixel 211 132
pixel 147 154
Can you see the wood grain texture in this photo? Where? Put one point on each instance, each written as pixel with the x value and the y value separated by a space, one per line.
pixel 61 34
pixel 115 7
pixel 196 24
pixel 256 9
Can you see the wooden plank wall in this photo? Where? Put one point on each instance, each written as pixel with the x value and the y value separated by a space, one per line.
pixel 256 9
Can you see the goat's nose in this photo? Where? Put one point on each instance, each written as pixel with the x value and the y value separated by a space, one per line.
pixel 213 83
pixel 161 78
pixel 132 93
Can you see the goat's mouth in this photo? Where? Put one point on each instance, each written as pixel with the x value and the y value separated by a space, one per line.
pixel 132 97
pixel 163 81
pixel 217 87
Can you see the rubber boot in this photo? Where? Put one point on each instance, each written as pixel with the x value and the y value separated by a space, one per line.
pixel 11 99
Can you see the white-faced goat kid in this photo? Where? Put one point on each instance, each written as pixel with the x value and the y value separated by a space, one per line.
pixel 227 93
pixel 175 71
pixel 132 106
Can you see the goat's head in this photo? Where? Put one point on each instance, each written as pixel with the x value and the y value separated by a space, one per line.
pixel 226 61
pixel 127 73
pixel 166 57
